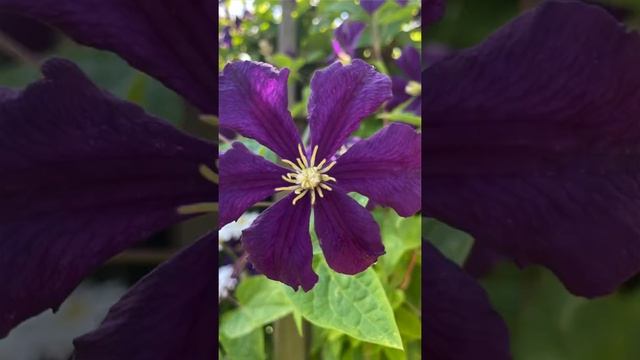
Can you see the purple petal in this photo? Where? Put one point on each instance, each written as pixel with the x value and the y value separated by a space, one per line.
pixel 402 2
pixel 542 164
pixel 459 320
pixel 434 53
pixel 347 36
pixel 398 86
pixel 245 178
pixel 160 317
pixel 84 176
pixel 171 40
pixel 385 168
pixel 279 244
pixel 433 10
pixel 348 234
pixel 371 6
pixel 341 96
pixel 226 37
pixel 409 62
pixel 254 103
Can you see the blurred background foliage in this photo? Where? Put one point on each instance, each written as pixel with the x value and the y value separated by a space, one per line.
pixel 546 322
pixel 377 313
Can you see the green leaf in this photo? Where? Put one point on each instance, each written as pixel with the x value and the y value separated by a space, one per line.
pixel 454 244
pixel 250 346
pixel 398 235
pixel 261 300
pixel 409 323
pixel 353 304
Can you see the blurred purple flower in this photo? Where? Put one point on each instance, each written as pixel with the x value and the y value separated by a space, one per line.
pixel 408 87
pixel 532 143
pixel 345 40
pixel 434 52
pixel 226 37
pixel 370 6
pixel 86 175
pixel 385 168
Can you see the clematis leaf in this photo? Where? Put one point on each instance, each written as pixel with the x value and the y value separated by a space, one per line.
pixel 355 305
pixel 399 235
pixel 262 301
pixel 250 346
pixel 408 323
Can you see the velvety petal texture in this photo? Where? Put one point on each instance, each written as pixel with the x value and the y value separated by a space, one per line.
pixel 341 96
pixel 245 178
pixel 173 40
pixel 346 37
pixel 84 176
pixel 161 318
pixel 459 322
pixel 385 168
pixel 542 164
pixel 279 244
pixel 348 234
pixel 253 102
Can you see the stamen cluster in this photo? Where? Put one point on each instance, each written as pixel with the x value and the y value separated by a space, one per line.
pixel 308 177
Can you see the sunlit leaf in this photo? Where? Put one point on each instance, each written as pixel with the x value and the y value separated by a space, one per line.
pixel 355 305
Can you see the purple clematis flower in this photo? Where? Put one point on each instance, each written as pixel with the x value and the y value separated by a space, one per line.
pixel 385 168
pixel 536 156
pixel 408 87
pixel 86 175
pixel 226 37
pixel 370 6
pixel 345 40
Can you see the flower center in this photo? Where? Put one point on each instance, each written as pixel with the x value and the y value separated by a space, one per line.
pixel 307 176
pixel 413 88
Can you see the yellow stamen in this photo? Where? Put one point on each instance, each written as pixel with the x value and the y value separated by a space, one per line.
pixel 302 156
pixel 328 178
pixel 287 179
pixel 313 156
pixel 208 174
pixel 287 188
pixel 328 167
pixel 308 177
pixel 321 163
pixel 290 163
pixel 199 208
pixel 326 187
pixel 302 166
pixel 302 194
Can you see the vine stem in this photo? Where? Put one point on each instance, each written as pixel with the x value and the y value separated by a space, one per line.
pixel 406 280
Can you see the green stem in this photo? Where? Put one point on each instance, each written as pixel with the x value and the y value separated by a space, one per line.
pixel 287 343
